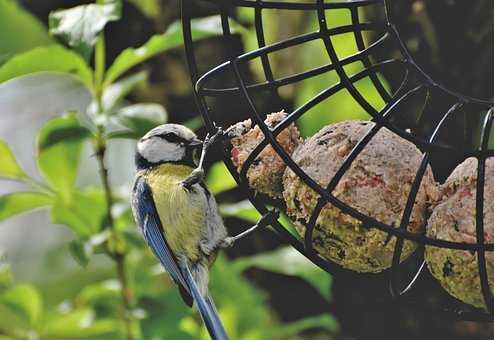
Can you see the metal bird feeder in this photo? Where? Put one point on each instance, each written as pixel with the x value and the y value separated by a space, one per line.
pixel 429 132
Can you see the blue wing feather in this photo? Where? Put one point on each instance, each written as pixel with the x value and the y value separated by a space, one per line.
pixel 148 220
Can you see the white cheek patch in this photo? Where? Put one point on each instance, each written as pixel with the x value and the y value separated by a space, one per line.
pixel 157 150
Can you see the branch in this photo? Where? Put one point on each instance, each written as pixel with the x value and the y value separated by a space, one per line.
pixel 118 257
pixel 101 143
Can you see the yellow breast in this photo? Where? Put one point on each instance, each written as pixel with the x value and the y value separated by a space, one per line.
pixel 181 212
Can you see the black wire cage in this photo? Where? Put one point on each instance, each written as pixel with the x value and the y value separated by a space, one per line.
pixel 449 132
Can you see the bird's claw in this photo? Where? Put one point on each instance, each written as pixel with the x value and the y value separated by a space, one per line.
pixel 266 219
pixel 227 242
pixel 213 139
pixel 196 176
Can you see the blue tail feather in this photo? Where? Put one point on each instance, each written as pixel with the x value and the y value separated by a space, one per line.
pixel 205 306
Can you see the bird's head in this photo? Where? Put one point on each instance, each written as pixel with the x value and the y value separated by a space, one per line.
pixel 168 143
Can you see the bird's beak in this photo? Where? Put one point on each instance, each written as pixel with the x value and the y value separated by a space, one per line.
pixel 195 142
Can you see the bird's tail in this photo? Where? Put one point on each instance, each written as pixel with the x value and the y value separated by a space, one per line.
pixel 204 304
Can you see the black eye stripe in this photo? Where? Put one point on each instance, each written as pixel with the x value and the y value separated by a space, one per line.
pixel 172 137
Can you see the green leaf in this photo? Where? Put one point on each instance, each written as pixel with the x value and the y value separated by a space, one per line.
pixel 123 134
pixel 24 301
pixel 140 118
pixel 53 58
pixel 170 327
pixel 288 261
pixel 172 38
pixel 150 8
pixel 81 323
pixel 59 146
pixel 113 97
pixel 99 292
pixel 19 30
pixel 79 26
pixel 85 214
pixel 21 202
pixel 81 252
pixel 82 249
pixel 12 318
pixel 9 168
pixel 194 123
pixel 114 94
pixel 235 295
pixel 243 210
pixel 124 219
pixel 287 223
pixel 219 179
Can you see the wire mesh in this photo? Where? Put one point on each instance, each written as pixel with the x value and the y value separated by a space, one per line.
pixel 414 82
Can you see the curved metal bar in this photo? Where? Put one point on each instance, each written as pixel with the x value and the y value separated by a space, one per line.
pixel 412 196
pixel 479 215
pixel 288 79
pixel 301 110
pixel 460 97
pixel 261 42
pixel 334 182
pixel 299 5
pixel 396 96
pixel 294 41
pixel 321 14
pixel 387 114
pixel 359 39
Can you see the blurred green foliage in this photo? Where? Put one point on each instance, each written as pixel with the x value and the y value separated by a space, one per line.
pixel 15 23
pixel 137 300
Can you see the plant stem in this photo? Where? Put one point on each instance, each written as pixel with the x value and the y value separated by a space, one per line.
pixel 117 256
pixel 101 148
pixel 104 174
pixel 126 293
pixel 99 70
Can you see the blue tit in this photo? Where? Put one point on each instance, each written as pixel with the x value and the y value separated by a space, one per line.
pixel 178 216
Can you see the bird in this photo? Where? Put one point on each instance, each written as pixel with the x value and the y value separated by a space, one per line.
pixel 178 216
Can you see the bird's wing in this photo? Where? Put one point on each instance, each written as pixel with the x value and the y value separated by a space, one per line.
pixel 206 307
pixel 150 224
pixel 148 220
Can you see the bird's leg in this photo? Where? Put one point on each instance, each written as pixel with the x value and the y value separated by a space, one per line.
pixel 197 175
pixel 265 220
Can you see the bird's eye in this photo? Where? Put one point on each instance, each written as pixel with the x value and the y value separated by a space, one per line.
pixel 172 137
